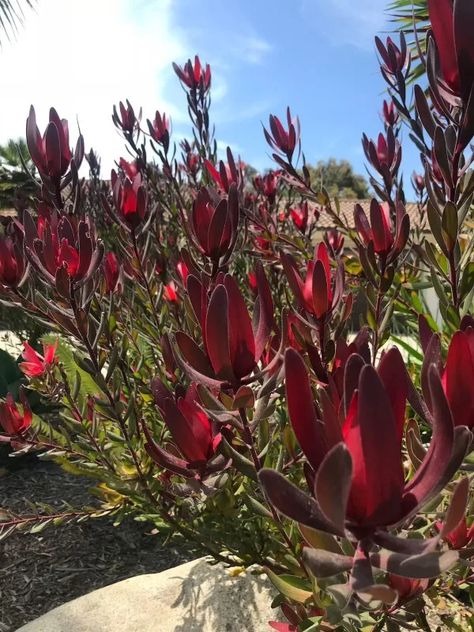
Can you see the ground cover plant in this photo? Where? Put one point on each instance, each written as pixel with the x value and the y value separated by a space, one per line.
pixel 206 364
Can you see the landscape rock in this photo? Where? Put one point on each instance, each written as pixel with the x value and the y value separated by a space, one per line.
pixel 193 597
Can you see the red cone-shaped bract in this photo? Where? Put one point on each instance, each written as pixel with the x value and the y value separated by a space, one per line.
pixel 458 378
pixel 62 248
pixel 194 434
pixel 35 364
pixel 214 222
pixel 14 422
pixel 319 294
pixel 129 199
pixel 193 75
pixel 12 262
pixel 51 153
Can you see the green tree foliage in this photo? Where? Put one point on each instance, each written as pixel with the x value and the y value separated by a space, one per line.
pixel 16 186
pixel 410 16
pixel 339 179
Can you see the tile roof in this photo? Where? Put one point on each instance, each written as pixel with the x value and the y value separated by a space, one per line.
pixel 325 220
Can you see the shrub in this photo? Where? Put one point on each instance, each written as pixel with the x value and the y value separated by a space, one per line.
pixel 205 369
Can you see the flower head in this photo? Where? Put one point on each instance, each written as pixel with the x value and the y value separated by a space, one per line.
pixel 35 364
pixel 14 422
pixel 194 435
pixel 193 75
pixel 51 152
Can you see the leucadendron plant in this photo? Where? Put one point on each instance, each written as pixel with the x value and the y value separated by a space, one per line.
pixel 212 375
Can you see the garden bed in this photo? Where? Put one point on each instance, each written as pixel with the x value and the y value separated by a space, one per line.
pixel 39 572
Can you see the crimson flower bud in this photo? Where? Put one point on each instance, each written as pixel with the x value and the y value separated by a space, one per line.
pixel 300 215
pixel 452 24
pixel 112 274
pixel 183 271
pixel 407 588
pixel 268 184
pixel 13 270
pixel 460 536
pixel 418 183
pixel 395 59
pixel 317 294
pixel 35 364
pixel 252 280
pixel 194 76
pixel 453 66
pixel 14 422
pixel 228 173
pixel 130 169
pixel 283 140
pixel 194 435
pixel 233 342
pixel 458 377
pixel 170 292
pixel 160 130
pixel 385 155
pixel 62 248
pixel 334 240
pixel 129 199
pixel 51 153
pixel 214 222
pixel 125 119
pixel 390 114
pixel 387 241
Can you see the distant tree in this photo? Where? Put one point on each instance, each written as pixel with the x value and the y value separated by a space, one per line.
pixel 338 178
pixel 16 186
pixel 11 16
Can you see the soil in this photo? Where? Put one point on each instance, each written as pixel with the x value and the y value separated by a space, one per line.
pixel 41 571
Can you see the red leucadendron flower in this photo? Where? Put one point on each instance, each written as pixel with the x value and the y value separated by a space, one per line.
pixel 194 76
pixel 125 118
pixel 112 273
pixel 51 152
pixel 160 130
pixel 62 248
pixel 321 291
pixel 13 268
pixel 195 435
pixel 233 342
pixel 214 222
pixel 129 200
pixel 458 377
pixel 387 240
pixel 364 454
pixel 14 422
pixel 35 364
pixel 283 141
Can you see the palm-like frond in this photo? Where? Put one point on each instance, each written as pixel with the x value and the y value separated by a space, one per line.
pixel 410 16
pixel 12 14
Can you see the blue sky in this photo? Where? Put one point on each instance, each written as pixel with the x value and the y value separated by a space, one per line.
pixel 318 57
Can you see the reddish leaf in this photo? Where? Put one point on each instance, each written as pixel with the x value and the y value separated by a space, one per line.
pixel 308 430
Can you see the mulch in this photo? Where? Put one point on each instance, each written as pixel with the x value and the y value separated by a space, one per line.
pixel 41 571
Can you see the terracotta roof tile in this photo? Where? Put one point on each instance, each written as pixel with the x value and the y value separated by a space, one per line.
pixel 325 220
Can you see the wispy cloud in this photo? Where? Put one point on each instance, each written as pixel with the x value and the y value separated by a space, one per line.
pixel 82 57
pixel 253 48
pixel 342 22
pixel 252 110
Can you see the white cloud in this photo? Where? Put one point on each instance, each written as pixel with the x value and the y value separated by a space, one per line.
pixel 343 22
pixel 83 57
pixel 254 49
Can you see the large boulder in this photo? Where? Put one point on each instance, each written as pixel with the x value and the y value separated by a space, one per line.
pixel 193 597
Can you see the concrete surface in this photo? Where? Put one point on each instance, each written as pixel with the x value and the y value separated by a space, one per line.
pixel 193 597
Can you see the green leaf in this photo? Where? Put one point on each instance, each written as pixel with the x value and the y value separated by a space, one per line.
pixel 294 588
pixel 65 352
pixel 239 461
